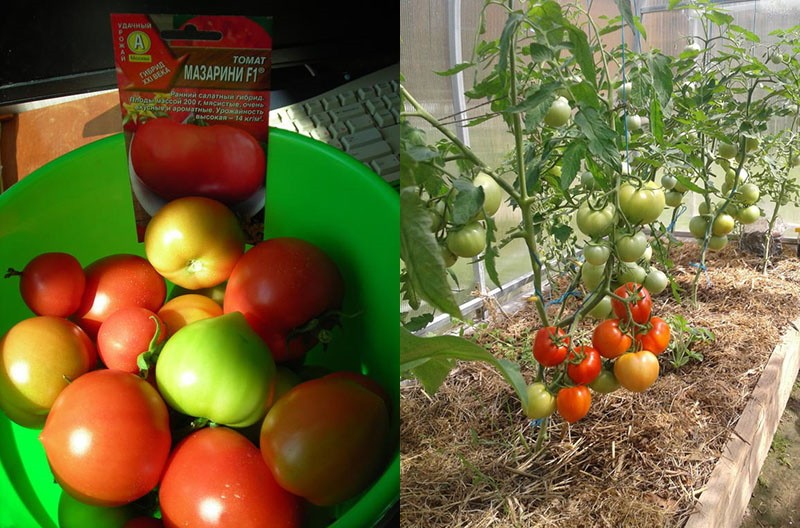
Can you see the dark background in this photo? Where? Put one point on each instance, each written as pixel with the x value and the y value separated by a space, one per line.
pixel 55 49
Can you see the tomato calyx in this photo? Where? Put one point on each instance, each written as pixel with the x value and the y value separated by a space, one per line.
pixel 320 328
pixel 147 359
pixel 11 272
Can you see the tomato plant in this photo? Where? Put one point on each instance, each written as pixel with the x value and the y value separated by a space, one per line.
pixel 39 356
pixel 51 284
pixel 596 222
pixel 656 339
pixel 636 371
pixel 175 160
pixel 218 369
pixel 559 113
pixel 327 439
pixel 550 346
pixel 216 477
pixel 107 438
pixel 467 241
pixel 289 290
pixel 632 302
pixel 194 242
pixel 118 281
pixel 641 205
pixel 610 340
pixel 573 402
pixel 493 194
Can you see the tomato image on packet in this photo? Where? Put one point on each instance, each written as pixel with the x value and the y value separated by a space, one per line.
pixel 194 94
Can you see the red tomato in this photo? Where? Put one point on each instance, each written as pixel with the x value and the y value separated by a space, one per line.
pixel 118 281
pixel 573 403
pixel 280 285
pixel 107 438
pixel 656 340
pixel 52 284
pixel 218 161
pixel 641 305
pixel 126 334
pixel 38 357
pixel 609 340
pixel 327 439
pixel 216 477
pixel 550 346
pixel 584 371
pixel 364 381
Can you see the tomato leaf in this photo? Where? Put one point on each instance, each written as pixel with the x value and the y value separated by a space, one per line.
pixel 455 69
pixel 536 104
pixel 422 255
pixel 583 53
pixel 601 138
pixel 660 68
pixel 507 38
pixel 627 15
pixel 491 253
pixel 414 351
pixel 432 373
pixel 571 162
pixel 657 121
pixel 467 202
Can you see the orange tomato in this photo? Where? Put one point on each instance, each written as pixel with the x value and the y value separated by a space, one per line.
pixel 636 371
pixel 184 309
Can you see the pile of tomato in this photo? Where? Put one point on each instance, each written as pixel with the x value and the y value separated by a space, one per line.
pixel 193 408
pixel 622 351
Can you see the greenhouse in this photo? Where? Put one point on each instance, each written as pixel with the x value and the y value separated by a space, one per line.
pixel 599 279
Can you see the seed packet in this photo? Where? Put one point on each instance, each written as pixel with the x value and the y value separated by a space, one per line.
pixel 194 95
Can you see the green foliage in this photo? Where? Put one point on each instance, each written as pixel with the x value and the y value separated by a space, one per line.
pixel 684 338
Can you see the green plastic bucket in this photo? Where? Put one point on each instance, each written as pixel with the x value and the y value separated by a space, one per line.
pixel 81 204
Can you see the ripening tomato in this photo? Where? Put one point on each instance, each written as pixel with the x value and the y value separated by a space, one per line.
pixel 194 242
pixel 220 162
pixel 38 358
pixel 326 439
pixel 281 285
pixel 609 339
pixel 605 382
pixel 52 284
pixel 636 371
pixel 187 308
pixel 126 334
pixel 216 477
pixel 118 281
pixel 107 437
pixel 573 403
pixel 541 403
pixel 638 301
pixel 583 371
pixel 550 346
pixel 656 340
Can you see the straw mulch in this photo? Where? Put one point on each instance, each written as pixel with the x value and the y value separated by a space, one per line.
pixel 637 460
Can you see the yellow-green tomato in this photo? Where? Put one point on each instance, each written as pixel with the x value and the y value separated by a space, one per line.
pixel 632 272
pixel 751 143
pixel 217 368
pixel 592 275
pixel 656 281
pixel 596 223
pixel 633 122
pixel 698 225
pixel 704 208
pixel 449 257
pixel 630 248
pixel 558 114
pixel 596 254
pixel 726 150
pixel 468 241
pixel 749 193
pixel 723 224
pixel 605 382
pixel 492 192
pixel 748 215
pixel 641 205
pixel 673 198
pixel 717 242
pixel 541 403
pixel 601 310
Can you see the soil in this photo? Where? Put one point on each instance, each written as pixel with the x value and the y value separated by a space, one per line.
pixel 776 499
pixel 636 460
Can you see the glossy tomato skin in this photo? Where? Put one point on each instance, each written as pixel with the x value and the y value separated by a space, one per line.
pixel 107 438
pixel 550 346
pixel 118 281
pixel 280 285
pixel 326 440
pixel 126 334
pixel 38 357
pixel 194 242
pixel 541 403
pixel 187 308
pixel 609 339
pixel 641 305
pixel 217 368
pixel 637 371
pixel 52 284
pixel 573 403
pixel 216 477
pixel 217 161
pixel 656 340
pixel 584 371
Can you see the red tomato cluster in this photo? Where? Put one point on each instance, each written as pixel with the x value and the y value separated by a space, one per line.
pixel 191 403
pixel 623 352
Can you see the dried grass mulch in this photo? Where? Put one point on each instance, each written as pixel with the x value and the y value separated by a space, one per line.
pixel 637 460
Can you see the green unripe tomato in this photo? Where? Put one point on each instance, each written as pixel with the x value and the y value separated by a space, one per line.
pixel 641 205
pixel 630 248
pixel 541 403
pixel 632 273
pixel 751 143
pixel 449 257
pixel 715 243
pixel 673 198
pixel 591 275
pixel 596 223
pixel 698 225
pixel 468 241
pixel 668 182
pixel 656 281
pixel 559 113
pixel 633 122
pixel 648 253
pixel 624 91
pixel 723 224
pixel 748 215
pixel 602 309
pixel 681 188
pixel 692 47
pixel 749 193
pixel 776 58
pixel 596 254
pixel 726 150
pixel 704 208
pixel 724 163
pixel 605 382
pixel 492 192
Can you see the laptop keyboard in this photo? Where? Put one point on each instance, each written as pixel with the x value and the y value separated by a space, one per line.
pixel 360 118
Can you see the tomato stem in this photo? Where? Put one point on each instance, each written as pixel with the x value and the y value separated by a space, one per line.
pixel 12 273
